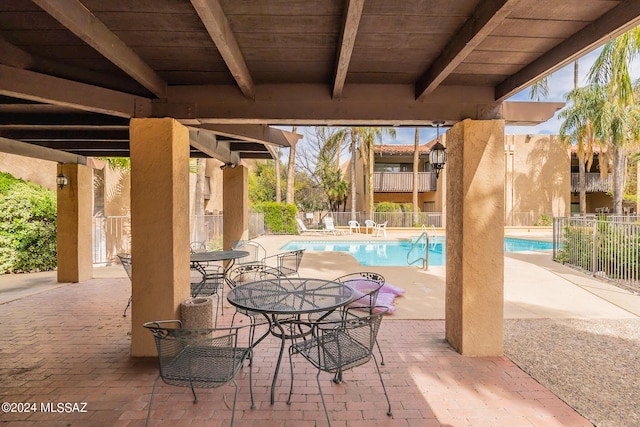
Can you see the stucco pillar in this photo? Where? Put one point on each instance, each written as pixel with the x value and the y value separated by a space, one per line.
pixel 159 225
pixel 235 200
pixel 475 231
pixel 74 235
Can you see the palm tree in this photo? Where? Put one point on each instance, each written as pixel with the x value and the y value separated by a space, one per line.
pixel 618 118
pixel 277 170
pixel 579 129
pixel 369 137
pixel 416 163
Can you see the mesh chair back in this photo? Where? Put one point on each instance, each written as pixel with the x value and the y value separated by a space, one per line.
pixel 256 251
pixel 366 286
pixel 125 260
pixel 198 358
pixel 289 262
pixel 202 358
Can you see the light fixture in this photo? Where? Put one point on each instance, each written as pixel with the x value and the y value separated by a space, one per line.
pixel 61 180
pixel 438 153
pixel 228 165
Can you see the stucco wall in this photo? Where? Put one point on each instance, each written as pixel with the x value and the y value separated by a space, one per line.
pixel 41 172
pixel 537 177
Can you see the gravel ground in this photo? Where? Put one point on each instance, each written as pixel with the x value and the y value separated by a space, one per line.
pixel 590 364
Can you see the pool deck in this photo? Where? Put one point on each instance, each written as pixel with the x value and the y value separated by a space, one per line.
pixel 70 343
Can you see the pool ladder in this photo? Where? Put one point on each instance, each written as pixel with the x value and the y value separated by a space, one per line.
pixel 421 247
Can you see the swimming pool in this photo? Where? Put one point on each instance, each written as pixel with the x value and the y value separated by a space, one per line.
pixel 392 253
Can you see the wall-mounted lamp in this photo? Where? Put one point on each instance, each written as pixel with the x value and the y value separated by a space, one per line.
pixel 228 165
pixel 61 180
pixel 438 153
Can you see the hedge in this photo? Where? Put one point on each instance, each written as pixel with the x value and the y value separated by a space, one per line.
pixel 278 217
pixel 27 226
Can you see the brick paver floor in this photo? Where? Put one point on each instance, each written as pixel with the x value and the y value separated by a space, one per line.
pixel 71 345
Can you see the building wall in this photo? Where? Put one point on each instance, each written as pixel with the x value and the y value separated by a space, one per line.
pixel 537 177
pixel 41 172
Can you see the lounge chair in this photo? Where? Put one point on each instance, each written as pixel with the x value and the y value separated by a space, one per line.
pixel 303 228
pixel 329 227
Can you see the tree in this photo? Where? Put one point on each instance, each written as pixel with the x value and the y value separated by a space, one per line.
pixel 579 129
pixel 416 163
pixel 618 119
pixel 277 175
pixel 369 138
pixel 291 171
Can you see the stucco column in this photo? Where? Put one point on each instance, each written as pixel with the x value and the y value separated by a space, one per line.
pixel 74 235
pixel 475 231
pixel 159 225
pixel 235 202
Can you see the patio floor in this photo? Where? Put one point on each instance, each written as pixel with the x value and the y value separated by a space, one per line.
pixel 71 344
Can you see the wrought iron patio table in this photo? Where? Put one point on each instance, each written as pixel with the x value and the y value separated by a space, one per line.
pixel 282 299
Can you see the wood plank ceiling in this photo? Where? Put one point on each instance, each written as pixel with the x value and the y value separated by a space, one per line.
pixel 73 72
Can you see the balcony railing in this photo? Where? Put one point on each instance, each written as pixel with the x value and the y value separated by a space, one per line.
pixel 594 183
pixel 402 182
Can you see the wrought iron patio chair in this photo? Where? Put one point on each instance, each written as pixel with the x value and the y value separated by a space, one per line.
pixel 286 263
pixel 250 273
pixel 340 345
pixel 125 260
pixel 207 280
pixel 198 358
pixel 366 285
pixel 256 251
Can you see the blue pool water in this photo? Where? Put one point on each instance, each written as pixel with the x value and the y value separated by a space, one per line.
pixel 394 253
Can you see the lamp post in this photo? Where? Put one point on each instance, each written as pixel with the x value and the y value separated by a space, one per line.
pixel 438 153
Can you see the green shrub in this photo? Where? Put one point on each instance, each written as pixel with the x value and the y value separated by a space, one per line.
pixel 544 220
pixel 388 207
pixel 278 217
pixel 27 226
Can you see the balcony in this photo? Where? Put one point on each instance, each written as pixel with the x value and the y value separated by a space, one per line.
pixel 402 182
pixel 594 183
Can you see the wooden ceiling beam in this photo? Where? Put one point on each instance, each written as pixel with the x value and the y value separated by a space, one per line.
pixel 217 25
pixel 208 143
pixel 84 24
pixel 261 134
pixel 24 84
pixel 487 17
pixel 37 152
pixel 347 41
pixel 612 24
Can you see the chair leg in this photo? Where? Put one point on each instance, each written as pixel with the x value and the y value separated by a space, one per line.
pixel 235 397
pixel 380 351
pixel 322 397
pixel 153 390
pixel 127 307
pixel 382 382
pixel 291 366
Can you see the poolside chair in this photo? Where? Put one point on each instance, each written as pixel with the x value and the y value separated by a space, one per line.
pixel 381 228
pixel 125 260
pixel 369 225
pixel 204 358
pixel 330 227
pixel 337 346
pixel 207 280
pixel 354 227
pixel 303 228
